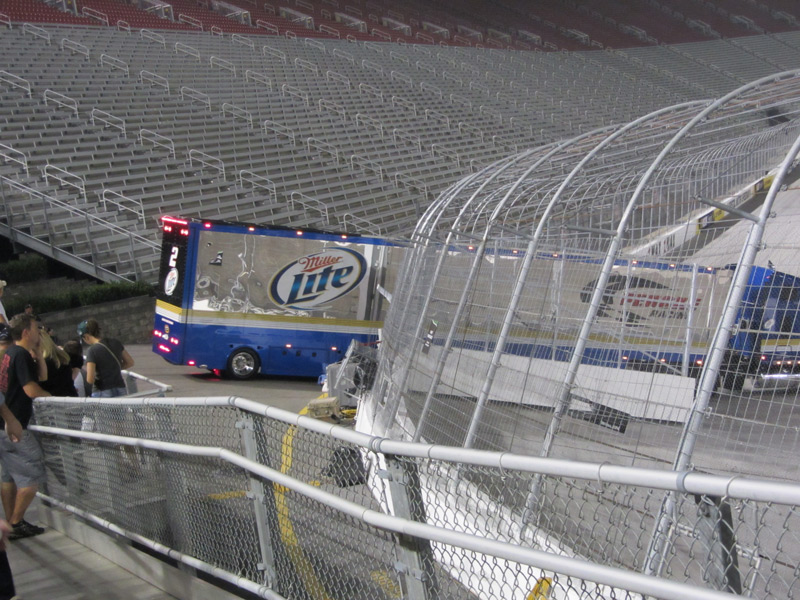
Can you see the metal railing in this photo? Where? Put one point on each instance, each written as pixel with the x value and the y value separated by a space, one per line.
pixel 283 505
pixel 60 100
pixel 37 31
pixel 14 155
pixel 350 222
pixel 95 14
pixel 66 178
pixel 310 204
pixel 108 120
pixel 157 140
pixel 257 181
pixel 16 81
pixel 92 225
pixel 124 203
pixel 206 160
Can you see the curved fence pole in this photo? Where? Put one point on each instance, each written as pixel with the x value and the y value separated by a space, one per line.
pixel 711 368
pixel 532 248
pixel 615 244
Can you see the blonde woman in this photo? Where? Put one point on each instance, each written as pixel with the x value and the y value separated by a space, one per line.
pixel 59 372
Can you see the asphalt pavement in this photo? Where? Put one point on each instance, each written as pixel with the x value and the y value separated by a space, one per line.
pixel 289 393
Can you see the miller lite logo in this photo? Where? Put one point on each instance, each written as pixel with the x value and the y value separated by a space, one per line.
pixel 317 278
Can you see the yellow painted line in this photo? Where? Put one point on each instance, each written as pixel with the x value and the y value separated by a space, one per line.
pixel 302 565
pixel 313 586
pixel 387 583
pixel 542 589
pixel 227 495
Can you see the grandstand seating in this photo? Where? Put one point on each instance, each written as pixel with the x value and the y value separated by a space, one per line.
pixel 759 14
pixel 512 24
pixel 133 17
pixel 34 11
pixel 129 125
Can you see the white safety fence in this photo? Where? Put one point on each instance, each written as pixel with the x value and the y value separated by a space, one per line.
pixel 286 506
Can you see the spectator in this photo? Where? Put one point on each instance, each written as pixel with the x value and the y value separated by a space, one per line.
pixel 105 360
pixel 59 380
pixel 45 328
pixel 3 315
pixel 13 431
pixel 22 462
pixel 75 352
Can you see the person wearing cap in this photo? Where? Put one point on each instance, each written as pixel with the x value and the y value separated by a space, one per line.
pixel 3 315
pixel 105 360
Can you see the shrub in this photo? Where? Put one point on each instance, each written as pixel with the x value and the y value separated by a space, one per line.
pixel 112 291
pixel 94 294
pixel 28 267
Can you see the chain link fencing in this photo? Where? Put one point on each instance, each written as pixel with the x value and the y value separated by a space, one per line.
pixel 305 509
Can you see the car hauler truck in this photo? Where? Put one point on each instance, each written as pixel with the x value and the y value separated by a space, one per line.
pixel 243 299
pixel 662 316
pixel 658 316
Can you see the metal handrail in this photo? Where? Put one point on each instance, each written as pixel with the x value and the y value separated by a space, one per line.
pixel 11 154
pixel 311 204
pixel 186 49
pixel 16 81
pixel 236 111
pixel 91 221
pixel 258 76
pixel 61 100
pixel 196 95
pixel 223 64
pixel 108 119
pixel 37 31
pixel 190 21
pixel 153 78
pixel 157 140
pixel 75 47
pixel 206 160
pixel 138 211
pixel 65 178
pixel 80 212
pixel 258 181
pixel 115 63
pixel 152 35
pixel 95 14
pixel 364 224
pixel 279 130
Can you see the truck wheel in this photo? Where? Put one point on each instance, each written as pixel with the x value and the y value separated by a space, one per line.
pixel 243 364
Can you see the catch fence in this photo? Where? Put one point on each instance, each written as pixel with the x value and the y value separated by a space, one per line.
pixel 287 506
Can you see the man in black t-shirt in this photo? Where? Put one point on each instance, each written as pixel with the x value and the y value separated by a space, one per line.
pixel 22 461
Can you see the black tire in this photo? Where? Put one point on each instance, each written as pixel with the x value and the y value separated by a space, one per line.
pixel 243 364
